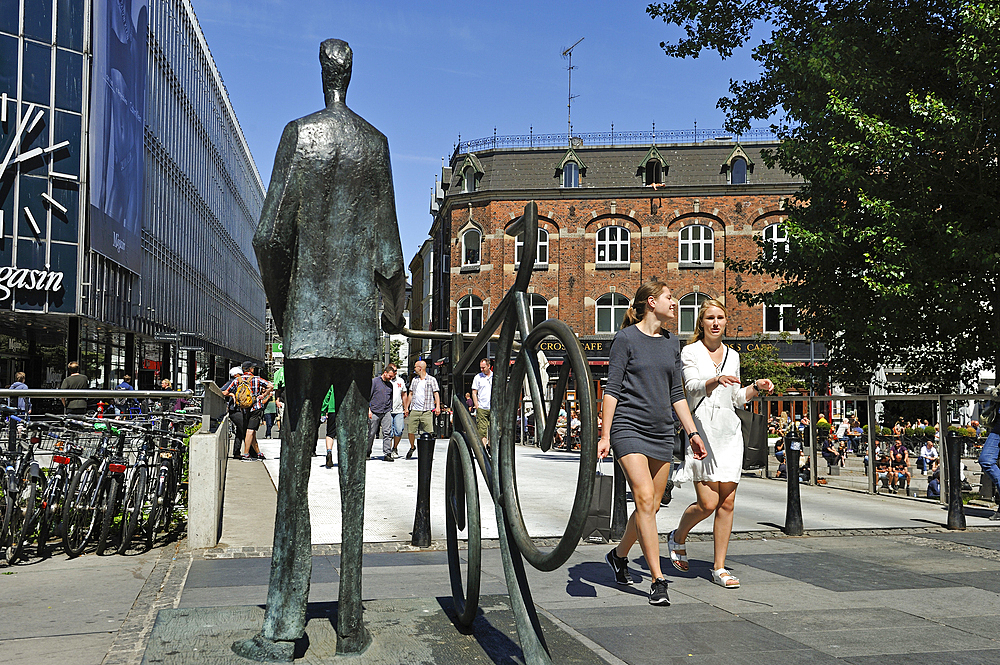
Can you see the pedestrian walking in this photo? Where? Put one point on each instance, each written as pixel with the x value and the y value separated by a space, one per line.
pixel 22 404
pixel 644 368
pixel 249 392
pixel 270 413
pixel 425 402
pixel 712 380
pixel 988 461
pixel 482 392
pixel 400 401
pixel 75 381
pixel 380 411
pixel 330 409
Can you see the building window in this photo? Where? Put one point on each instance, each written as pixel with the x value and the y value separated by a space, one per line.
pixel 738 172
pixel 541 249
pixel 688 314
pixel 538 308
pixel 470 314
pixel 472 241
pixel 697 245
pixel 775 241
pixel 468 180
pixel 571 174
pixel 654 172
pixel 612 246
pixel 611 308
pixel 780 318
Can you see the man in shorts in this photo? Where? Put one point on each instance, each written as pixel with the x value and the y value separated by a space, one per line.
pixel 400 401
pixel 247 420
pixel 425 402
pixel 482 392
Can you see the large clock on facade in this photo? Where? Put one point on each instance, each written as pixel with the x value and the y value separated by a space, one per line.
pixel 29 152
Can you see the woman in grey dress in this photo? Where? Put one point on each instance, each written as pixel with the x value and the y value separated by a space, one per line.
pixel 644 380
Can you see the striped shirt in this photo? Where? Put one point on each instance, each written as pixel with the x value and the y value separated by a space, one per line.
pixel 422 393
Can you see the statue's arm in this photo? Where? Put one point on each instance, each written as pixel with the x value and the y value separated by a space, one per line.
pixel 390 273
pixel 276 236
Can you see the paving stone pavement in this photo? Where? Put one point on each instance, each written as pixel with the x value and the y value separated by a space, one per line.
pixel 874 580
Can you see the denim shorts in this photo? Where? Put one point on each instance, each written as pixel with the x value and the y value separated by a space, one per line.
pixel 398 424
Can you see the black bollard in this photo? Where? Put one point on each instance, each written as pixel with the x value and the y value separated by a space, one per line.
pixel 793 507
pixel 422 516
pixel 619 511
pixel 956 512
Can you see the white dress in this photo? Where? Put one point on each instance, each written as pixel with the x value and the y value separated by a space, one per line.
pixel 714 415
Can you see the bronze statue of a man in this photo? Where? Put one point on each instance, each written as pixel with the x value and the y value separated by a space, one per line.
pixel 328 245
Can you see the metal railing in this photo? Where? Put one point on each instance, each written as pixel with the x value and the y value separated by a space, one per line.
pixel 872 437
pixel 612 138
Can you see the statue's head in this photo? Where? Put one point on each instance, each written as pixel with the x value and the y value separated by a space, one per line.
pixel 335 59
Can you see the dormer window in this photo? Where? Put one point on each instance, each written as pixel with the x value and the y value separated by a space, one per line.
pixel 468 180
pixel 738 172
pixel 571 175
pixel 654 172
pixel 652 168
pixel 737 166
pixel 570 169
pixel 471 170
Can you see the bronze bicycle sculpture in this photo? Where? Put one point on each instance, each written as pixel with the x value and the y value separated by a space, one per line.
pixel 466 450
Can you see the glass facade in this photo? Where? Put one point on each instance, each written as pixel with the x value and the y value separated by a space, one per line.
pixel 201 200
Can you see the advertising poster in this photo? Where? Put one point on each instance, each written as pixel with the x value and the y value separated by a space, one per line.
pixel 118 109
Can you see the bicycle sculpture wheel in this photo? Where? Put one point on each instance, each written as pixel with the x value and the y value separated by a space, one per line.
pixel 466 450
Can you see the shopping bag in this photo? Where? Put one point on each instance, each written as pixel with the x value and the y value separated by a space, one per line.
pixel 597 527
pixel 754 439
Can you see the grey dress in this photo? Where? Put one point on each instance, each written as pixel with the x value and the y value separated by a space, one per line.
pixel 644 374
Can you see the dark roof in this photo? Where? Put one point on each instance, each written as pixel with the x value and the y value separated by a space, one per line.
pixel 614 167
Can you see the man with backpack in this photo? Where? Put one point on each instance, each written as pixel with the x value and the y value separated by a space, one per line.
pixel 249 392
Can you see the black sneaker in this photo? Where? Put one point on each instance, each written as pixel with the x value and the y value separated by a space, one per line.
pixel 666 498
pixel 387 457
pixel 329 459
pixel 409 453
pixel 995 517
pixel 619 564
pixel 658 592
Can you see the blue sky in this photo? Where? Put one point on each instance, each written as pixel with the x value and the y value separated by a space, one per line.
pixel 425 72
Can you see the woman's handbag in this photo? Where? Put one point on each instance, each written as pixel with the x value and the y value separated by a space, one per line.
pixel 597 527
pixel 754 439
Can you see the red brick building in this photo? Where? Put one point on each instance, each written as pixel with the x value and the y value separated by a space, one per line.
pixel 610 217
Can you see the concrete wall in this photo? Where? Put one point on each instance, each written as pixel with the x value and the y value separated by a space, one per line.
pixel 208 455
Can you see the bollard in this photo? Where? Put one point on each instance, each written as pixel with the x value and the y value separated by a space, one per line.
pixel 422 515
pixel 956 512
pixel 793 507
pixel 619 511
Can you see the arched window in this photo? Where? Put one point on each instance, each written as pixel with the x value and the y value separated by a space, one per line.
pixel 654 172
pixel 612 245
pixel 688 314
pixel 472 241
pixel 468 180
pixel 541 249
pixel 470 314
pixel 571 174
pixel 775 241
pixel 780 318
pixel 697 245
pixel 538 307
pixel 611 308
pixel 738 172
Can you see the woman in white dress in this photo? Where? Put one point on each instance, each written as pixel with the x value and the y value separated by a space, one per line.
pixel 712 383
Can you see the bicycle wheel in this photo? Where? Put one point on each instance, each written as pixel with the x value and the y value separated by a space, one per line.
pixel 156 499
pixel 51 506
pixel 109 510
pixel 574 368
pixel 135 502
pixel 80 513
pixel 22 522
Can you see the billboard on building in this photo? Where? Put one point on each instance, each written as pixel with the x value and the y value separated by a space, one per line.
pixel 117 117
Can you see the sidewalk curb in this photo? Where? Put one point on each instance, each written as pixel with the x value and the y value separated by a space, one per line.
pixel 162 590
pixel 494 543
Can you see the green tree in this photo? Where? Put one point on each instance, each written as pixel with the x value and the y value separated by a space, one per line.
pixel 395 346
pixel 764 362
pixel 888 110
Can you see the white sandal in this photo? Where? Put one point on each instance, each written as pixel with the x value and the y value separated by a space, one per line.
pixel 726 579
pixel 680 561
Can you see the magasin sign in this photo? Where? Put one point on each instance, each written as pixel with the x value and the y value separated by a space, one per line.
pixel 12 279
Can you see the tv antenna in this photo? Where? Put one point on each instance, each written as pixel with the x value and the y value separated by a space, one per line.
pixel 570 96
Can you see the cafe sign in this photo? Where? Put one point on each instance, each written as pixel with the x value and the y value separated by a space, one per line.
pixel 25 279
